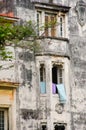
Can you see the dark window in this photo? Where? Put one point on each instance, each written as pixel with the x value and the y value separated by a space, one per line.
pixel 44 127
pixel 42 72
pixel 38 22
pixel 59 127
pixel 3 119
pixel 57 74
pixel 57 77
pixel 61 28
pixel 42 79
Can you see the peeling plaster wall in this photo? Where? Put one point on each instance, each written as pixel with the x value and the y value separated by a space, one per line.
pixel 31 108
pixel 8 70
pixel 26 94
pixel 25 14
pixel 54 47
pixel 24 10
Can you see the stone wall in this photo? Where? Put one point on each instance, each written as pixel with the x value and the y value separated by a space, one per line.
pixel 78 68
pixel 31 108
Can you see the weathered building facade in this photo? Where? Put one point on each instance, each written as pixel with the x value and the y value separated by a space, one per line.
pixel 46 90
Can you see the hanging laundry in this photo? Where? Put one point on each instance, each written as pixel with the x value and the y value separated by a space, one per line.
pixel 43 87
pixel 62 93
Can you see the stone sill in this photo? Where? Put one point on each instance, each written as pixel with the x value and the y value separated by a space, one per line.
pixel 43 95
pixel 54 38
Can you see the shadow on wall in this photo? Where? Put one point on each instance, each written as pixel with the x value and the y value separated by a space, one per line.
pixel 26 74
pixel 24 3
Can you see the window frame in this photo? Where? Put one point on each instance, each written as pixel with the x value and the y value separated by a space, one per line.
pixel 43 77
pixel 58 78
pixel 6 118
pixel 59 68
pixel 62 24
pixel 51 29
pixel 42 73
pixel 59 30
pixel 38 22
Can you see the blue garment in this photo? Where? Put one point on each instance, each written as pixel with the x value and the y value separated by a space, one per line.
pixel 43 87
pixel 62 93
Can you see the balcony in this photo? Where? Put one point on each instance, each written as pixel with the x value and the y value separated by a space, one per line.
pixel 54 46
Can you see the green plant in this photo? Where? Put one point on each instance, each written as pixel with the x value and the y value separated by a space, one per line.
pixel 19 35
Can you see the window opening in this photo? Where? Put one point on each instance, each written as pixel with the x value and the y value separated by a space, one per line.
pixel 44 127
pixel 46 25
pixel 42 73
pixel 61 29
pixel 57 77
pixel 50 23
pixel 38 22
pixel 3 119
pixel 53 21
pixel 61 26
pixel 54 74
pixel 59 127
pixel 42 79
pixel 57 74
pixel 51 28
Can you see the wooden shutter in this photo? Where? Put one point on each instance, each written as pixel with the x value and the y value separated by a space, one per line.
pixel 52 26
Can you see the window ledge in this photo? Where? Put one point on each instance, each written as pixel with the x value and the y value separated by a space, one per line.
pixel 43 95
pixel 56 38
pixel 55 95
pixel 7 84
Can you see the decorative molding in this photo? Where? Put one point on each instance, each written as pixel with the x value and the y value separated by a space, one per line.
pixel 8 84
pixel 59 108
pixel 51 6
pixel 81 12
